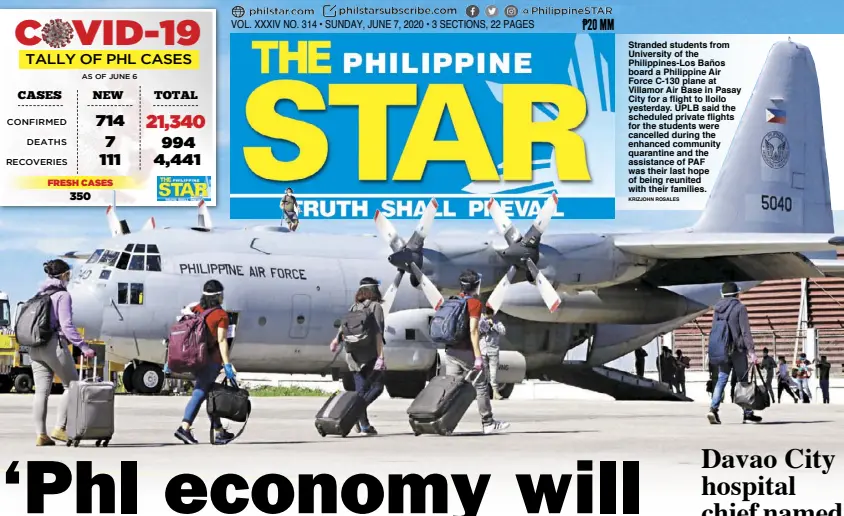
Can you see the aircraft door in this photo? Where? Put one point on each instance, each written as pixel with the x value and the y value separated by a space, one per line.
pixel 300 316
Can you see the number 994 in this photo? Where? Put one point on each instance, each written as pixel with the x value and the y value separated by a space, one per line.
pixel 775 203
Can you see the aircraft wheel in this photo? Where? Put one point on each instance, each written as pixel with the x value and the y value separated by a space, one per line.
pixel 406 386
pixel 148 378
pixel 128 378
pixel 505 390
pixel 6 385
pixel 23 383
pixel 348 382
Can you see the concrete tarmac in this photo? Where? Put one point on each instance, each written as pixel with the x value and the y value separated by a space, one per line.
pixel 546 436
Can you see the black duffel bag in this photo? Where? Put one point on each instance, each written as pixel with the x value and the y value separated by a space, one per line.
pixel 228 401
pixel 751 395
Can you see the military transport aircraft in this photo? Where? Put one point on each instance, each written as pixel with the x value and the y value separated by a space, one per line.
pixel 769 209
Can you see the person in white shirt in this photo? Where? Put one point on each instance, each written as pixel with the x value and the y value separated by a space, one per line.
pixel 491 332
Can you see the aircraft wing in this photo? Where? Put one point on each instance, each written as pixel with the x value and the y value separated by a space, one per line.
pixel 679 245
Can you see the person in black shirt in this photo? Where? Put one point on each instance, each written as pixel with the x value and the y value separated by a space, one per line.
pixel 823 373
pixel 640 354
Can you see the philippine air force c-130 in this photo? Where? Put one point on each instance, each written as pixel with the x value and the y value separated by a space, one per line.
pixel 769 208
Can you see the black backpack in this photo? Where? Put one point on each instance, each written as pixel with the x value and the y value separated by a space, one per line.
pixel 34 327
pixel 358 327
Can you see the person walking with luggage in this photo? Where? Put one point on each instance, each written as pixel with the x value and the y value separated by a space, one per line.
pixel 491 332
pixel 362 333
pixel 53 357
pixel 730 348
pixel 459 358
pixel 217 323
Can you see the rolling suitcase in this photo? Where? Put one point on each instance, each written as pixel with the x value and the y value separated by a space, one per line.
pixel 90 410
pixel 339 414
pixel 442 404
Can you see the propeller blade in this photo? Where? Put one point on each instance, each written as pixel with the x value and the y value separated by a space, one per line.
pixel 544 218
pixel 503 223
pixel 388 232
pixel 390 295
pixel 417 239
pixel 204 217
pixel 546 290
pixel 431 292
pixel 113 221
pixel 497 297
pixel 150 225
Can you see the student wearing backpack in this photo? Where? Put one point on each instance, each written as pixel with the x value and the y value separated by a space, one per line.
pixel 463 353
pixel 217 323
pixel 49 350
pixel 362 332
pixel 730 347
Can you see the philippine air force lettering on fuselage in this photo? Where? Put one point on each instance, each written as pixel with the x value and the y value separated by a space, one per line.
pixel 250 271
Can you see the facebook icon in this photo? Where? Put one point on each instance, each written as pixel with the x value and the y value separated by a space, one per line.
pixel 472 11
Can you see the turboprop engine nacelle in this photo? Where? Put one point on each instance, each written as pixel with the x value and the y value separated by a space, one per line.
pixel 512 366
pixel 408 345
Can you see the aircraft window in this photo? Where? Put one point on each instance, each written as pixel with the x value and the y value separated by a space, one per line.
pixel 123 261
pixel 109 257
pixel 129 248
pixel 122 293
pixel 137 262
pixel 105 274
pixel 95 256
pixel 140 248
pixel 152 249
pixel 136 294
pixel 154 263
pixel 409 334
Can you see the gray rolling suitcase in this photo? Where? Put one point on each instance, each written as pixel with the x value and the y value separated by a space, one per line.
pixel 90 410
pixel 442 404
pixel 339 414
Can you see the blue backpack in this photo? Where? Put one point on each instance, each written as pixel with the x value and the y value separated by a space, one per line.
pixel 720 338
pixel 450 324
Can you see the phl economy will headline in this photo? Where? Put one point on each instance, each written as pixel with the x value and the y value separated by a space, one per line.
pixel 359 123
pixel 273 493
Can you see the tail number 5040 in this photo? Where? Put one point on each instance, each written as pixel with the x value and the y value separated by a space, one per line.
pixel 774 203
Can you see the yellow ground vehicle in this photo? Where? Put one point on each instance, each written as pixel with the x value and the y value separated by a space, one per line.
pixel 16 371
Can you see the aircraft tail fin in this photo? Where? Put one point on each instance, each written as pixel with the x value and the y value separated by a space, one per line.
pixel 774 178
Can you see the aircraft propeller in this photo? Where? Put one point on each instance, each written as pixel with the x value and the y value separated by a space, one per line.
pixel 407 256
pixel 522 253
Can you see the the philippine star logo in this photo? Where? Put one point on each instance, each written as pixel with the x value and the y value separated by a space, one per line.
pixel 775 149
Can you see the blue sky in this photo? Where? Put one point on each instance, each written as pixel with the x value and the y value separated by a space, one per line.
pixel 29 236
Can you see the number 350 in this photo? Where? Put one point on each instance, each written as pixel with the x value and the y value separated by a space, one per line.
pixel 774 203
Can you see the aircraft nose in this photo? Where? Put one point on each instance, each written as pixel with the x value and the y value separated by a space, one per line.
pixel 87 311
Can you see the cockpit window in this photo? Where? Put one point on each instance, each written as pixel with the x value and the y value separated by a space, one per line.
pixel 154 263
pixel 95 256
pixel 136 263
pixel 152 249
pixel 123 261
pixel 140 248
pixel 109 258
pixel 129 248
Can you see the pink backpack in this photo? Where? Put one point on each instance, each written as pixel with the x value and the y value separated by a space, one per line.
pixel 189 343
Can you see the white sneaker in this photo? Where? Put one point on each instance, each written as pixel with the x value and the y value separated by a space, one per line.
pixel 495 427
